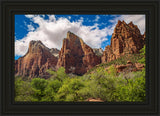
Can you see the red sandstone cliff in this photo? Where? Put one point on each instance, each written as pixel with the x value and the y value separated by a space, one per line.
pixel 126 39
pixel 36 61
pixel 76 56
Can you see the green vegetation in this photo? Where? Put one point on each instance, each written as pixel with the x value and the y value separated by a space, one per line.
pixel 122 60
pixel 142 54
pixel 108 85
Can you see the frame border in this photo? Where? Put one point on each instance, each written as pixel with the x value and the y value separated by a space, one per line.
pixel 9 8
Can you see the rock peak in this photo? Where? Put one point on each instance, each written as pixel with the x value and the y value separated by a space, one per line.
pixel 126 39
pixel 36 61
pixel 69 32
pixel 131 23
pixel 36 46
pixel 71 35
pixel 76 56
pixel 123 22
pixel 119 22
pixel 32 42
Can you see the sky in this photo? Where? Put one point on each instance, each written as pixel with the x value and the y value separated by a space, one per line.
pixel 95 30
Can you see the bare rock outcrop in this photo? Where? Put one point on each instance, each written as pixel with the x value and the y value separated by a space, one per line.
pixel 55 52
pixel 76 56
pixel 126 39
pixel 98 51
pixel 36 61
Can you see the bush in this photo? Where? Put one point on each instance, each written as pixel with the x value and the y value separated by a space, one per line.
pixel 132 90
pixel 142 53
pixel 39 85
pixel 106 85
pixel 70 87
pixel 51 90
pixel 59 74
pixel 23 91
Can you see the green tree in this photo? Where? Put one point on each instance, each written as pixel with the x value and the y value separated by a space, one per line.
pixel 23 90
pixel 39 86
pixel 142 53
pixel 133 89
pixel 69 89
pixel 51 90
pixel 59 74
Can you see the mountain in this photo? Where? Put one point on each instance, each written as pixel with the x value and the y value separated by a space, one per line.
pixel 55 52
pixel 98 51
pixel 35 62
pixel 125 40
pixel 76 56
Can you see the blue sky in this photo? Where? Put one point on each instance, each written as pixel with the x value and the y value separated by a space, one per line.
pixel 95 30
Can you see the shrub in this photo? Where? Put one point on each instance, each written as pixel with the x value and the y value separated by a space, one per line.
pixel 59 74
pixel 39 86
pixel 142 53
pixel 106 85
pixel 51 90
pixel 70 86
pixel 23 91
pixel 132 90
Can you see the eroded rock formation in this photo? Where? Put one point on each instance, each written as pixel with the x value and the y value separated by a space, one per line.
pixel 35 62
pixel 126 39
pixel 76 56
pixel 55 52
pixel 98 52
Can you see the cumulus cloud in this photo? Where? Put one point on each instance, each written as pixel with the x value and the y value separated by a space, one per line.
pixel 52 31
pixel 29 16
pixel 138 20
pixel 97 18
pixel 30 28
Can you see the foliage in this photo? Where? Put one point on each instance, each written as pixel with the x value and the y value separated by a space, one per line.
pixel 122 60
pixel 39 85
pixel 142 53
pixel 69 89
pixel 108 85
pixel 59 74
pixel 51 90
pixel 23 90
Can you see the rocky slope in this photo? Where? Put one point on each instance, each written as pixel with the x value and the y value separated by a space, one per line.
pixel 126 39
pixel 36 61
pixel 55 52
pixel 76 56
pixel 98 52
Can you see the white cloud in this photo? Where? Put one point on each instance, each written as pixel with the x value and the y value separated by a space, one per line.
pixel 52 31
pixel 29 16
pixel 97 18
pixel 138 20
pixel 30 28
pixel 69 17
pixel 81 20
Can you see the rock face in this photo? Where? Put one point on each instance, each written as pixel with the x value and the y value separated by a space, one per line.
pixel 126 39
pixel 98 52
pixel 76 56
pixel 129 67
pixel 36 61
pixel 55 52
